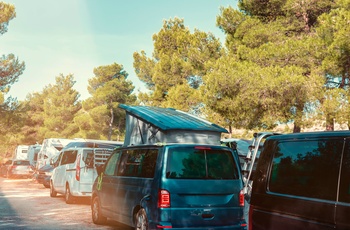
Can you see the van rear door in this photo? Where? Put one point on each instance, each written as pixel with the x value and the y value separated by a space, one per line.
pixel 85 170
pixel 204 185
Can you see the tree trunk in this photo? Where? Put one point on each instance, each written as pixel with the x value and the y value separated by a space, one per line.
pixel 110 128
pixel 298 119
pixel 297 128
pixel 329 123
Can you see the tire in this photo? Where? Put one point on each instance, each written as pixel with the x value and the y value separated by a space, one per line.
pixel 53 193
pixel 96 214
pixel 141 221
pixel 68 196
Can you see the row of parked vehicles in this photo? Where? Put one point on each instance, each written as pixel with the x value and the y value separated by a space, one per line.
pixel 164 176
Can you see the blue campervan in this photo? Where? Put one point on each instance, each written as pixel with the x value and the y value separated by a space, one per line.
pixel 170 183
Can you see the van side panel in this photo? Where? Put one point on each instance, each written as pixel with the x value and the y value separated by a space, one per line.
pixel 131 193
pixel 295 184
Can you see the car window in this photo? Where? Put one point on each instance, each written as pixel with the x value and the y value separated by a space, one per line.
pixel 88 157
pixel 56 162
pixel 111 164
pixel 191 163
pixel 69 157
pixel 138 163
pixel 306 168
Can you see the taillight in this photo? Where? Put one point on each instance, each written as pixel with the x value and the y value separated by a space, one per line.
pixel 77 169
pixel 241 198
pixel 163 199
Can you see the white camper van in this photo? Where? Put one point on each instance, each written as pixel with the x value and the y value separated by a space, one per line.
pixel 21 152
pixel 49 149
pixel 75 171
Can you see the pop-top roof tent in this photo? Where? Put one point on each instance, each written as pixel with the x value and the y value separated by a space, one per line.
pixel 151 125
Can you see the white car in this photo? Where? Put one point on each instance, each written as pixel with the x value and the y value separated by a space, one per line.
pixel 75 172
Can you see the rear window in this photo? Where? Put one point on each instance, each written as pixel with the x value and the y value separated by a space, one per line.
pixel 191 163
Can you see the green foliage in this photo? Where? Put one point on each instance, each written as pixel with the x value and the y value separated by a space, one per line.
pixel 180 59
pixel 11 68
pixel 59 105
pixel 100 117
pixel 7 13
pixel 271 73
pixel 333 33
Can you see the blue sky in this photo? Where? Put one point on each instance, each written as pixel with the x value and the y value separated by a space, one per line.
pixel 75 36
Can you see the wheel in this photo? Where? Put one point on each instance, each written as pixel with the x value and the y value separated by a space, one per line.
pixel 68 196
pixel 141 221
pixel 96 214
pixel 53 193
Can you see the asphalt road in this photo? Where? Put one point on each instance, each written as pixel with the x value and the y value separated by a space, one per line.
pixel 27 205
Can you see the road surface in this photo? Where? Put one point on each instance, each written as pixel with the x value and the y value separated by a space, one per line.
pixel 27 205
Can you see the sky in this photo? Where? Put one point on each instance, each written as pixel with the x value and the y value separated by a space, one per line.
pixel 75 36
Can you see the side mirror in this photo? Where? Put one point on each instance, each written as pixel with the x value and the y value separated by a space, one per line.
pixel 100 169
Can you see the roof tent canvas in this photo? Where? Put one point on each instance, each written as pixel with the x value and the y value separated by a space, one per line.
pixel 151 125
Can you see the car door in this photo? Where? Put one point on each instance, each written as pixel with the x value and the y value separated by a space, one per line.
pixel 109 184
pixel 57 172
pixel 68 158
pixel 343 205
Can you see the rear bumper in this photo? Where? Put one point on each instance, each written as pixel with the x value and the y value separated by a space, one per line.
pixel 81 194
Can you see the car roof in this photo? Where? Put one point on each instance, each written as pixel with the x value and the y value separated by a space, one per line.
pixel 318 134
pixel 171 119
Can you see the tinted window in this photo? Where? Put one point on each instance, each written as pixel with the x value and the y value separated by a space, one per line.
pixel 88 157
pixel 344 192
pixel 69 157
pixel 111 164
pixel 138 163
pixel 307 168
pixel 191 163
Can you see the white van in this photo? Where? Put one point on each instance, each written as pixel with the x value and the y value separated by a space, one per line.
pixel 21 152
pixel 75 171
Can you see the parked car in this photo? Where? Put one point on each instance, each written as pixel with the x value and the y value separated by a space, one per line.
pixel 187 186
pixel 43 175
pixel 75 172
pixel 20 169
pixel 302 182
pixel 4 168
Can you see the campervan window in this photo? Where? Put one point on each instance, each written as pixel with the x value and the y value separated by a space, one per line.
pixel 138 163
pixel 190 163
pixel 111 164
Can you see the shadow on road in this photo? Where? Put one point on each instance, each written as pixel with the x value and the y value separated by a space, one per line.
pixel 9 218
